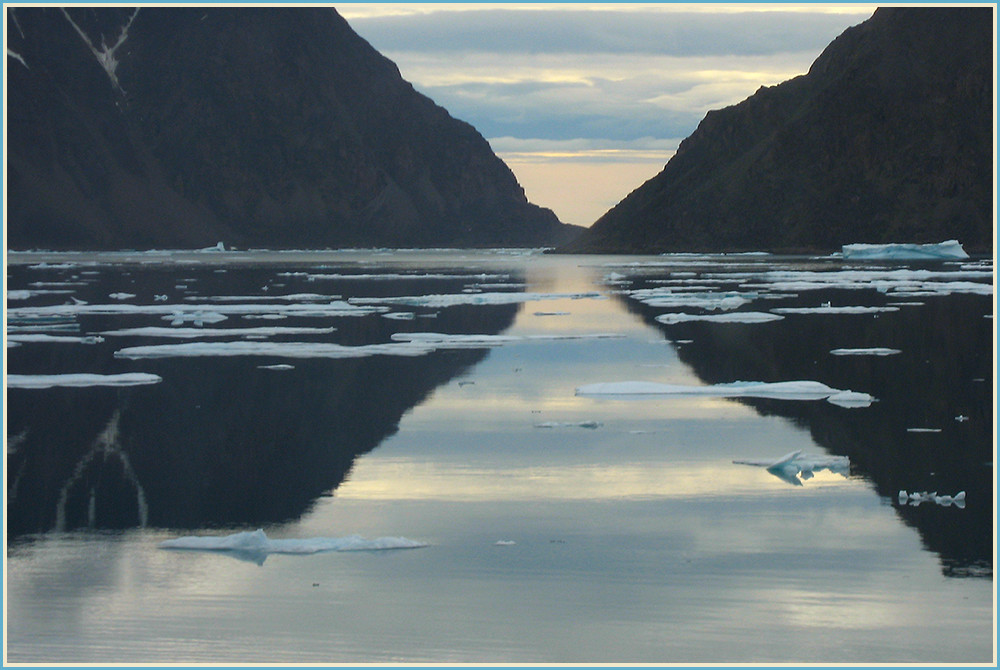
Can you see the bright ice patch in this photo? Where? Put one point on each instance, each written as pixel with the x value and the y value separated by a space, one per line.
pixel 827 309
pixel 915 498
pixel 945 250
pixel 796 464
pixel 871 351
pixel 793 390
pixel 257 543
pixel 185 333
pixel 728 317
pixel 81 380
pixel 450 299
pixel 42 337
pixel 569 424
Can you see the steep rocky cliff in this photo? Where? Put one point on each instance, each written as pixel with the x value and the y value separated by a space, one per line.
pixel 278 127
pixel 888 138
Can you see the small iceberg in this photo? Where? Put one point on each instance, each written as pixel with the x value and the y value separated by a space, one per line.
pixel 872 351
pixel 915 498
pixel 793 390
pixel 729 317
pixel 796 464
pixel 949 250
pixel 256 545
pixel 81 380
pixel 592 425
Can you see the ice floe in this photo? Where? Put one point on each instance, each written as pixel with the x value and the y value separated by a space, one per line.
pixel 188 312
pixel 45 338
pixel 949 250
pixel 121 295
pixel 870 351
pixel 791 390
pixel 191 333
pixel 475 341
pixel 81 380
pixel 828 309
pixel 569 424
pixel 661 297
pixel 292 297
pixel 796 464
pixel 727 317
pixel 488 298
pixel 298 350
pixel 256 545
pixel 916 498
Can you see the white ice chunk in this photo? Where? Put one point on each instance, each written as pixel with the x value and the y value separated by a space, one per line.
pixel 795 464
pixel 274 349
pixel 450 299
pixel 728 317
pixel 827 309
pixel 43 337
pixel 871 351
pixel 915 498
pixel 80 380
pixel 792 390
pixel 293 297
pixel 331 309
pixel 277 366
pixel 944 250
pixel 257 542
pixel 563 424
pixel 665 297
pixel 190 333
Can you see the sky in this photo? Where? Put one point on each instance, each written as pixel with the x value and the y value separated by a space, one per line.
pixel 585 102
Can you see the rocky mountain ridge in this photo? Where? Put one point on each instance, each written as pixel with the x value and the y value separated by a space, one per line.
pixel 268 127
pixel 888 138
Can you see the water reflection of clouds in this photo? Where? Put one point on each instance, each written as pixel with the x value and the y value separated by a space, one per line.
pixel 421 479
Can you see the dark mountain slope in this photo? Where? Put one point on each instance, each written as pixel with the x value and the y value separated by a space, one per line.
pixel 888 138
pixel 258 126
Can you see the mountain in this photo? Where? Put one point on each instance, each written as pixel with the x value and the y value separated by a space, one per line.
pixel 887 138
pixel 276 127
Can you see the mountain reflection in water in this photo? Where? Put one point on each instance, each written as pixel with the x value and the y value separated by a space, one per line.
pixel 220 441
pixel 931 429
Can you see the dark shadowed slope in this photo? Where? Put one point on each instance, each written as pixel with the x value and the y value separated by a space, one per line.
pixel 179 127
pixel 888 138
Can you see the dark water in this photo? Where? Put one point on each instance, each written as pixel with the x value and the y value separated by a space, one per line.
pixel 559 527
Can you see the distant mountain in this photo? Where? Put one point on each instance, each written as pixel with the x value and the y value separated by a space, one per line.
pixel 276 127
pixel 888 138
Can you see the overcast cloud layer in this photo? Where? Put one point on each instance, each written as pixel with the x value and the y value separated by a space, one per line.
pixel 555 85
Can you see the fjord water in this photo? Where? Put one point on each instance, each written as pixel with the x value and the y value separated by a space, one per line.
pixel 556 527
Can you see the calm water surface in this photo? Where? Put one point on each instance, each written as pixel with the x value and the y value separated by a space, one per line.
pixel 558 527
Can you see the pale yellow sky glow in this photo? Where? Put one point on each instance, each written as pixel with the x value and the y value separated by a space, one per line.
pixel 583 118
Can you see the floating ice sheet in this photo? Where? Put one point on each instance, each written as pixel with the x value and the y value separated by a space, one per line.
pixel 191 333
pixel 256 545
pixel 45 338
pixel 331 309
pixel 569 424
pixel 727 317
pixel 949 250
pixel 490 298
pixel 915 498
pixel 792 390
pixel 828 309
pixel 796 464
pixel 81 380
pixel 275 349
pixel 661 297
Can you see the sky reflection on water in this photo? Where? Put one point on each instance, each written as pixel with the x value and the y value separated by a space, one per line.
pixel 638 540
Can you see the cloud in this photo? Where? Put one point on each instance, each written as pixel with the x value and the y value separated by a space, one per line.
pixel 638 31
pixel 612 96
